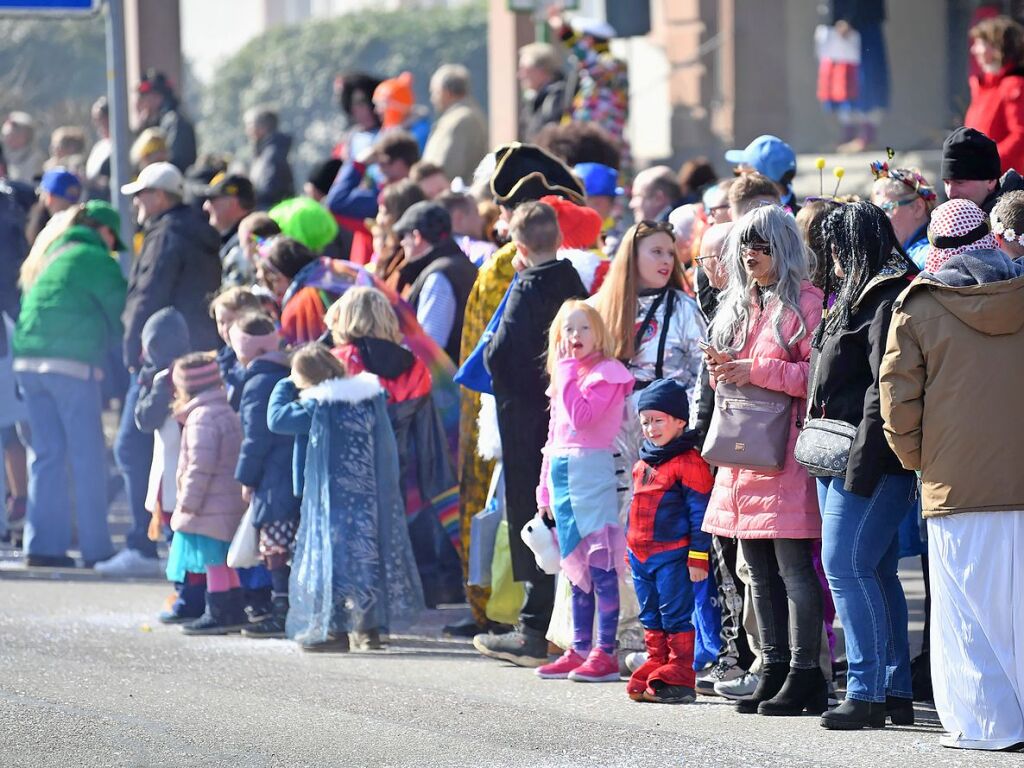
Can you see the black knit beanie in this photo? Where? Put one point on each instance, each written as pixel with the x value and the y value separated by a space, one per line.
pixel 968 154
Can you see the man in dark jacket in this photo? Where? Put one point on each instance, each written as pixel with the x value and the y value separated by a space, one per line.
pixel 13 247
pixel 178 267
pixel 543 83
pixel 270 173
pixel 157 107
pixel 437 276
pixel 515 359
pixel 228 200
pixel 970 169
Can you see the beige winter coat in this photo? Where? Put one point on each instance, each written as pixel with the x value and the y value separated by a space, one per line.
pixel 951 393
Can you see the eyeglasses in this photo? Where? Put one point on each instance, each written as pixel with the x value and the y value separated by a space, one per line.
pixel 891 205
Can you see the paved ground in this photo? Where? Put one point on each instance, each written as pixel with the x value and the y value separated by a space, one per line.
pixel 88 678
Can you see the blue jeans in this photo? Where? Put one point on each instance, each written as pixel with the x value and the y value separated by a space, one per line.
pixel 860 552
pixel 133 451
pixel 64 415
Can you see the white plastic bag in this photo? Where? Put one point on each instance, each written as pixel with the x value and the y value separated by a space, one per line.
pixel 244 551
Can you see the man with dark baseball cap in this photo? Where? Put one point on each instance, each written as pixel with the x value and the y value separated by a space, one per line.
pixel 437 276
pixel 227 200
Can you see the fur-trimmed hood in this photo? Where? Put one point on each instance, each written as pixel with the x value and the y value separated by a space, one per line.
pixel 354 389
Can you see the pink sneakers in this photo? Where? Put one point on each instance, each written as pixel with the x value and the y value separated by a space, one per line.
pixel 600 667
pixel 560 669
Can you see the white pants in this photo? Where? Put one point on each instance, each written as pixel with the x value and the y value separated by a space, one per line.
pixel 976 566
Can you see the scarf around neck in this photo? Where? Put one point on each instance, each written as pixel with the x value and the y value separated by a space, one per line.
pixel 655 455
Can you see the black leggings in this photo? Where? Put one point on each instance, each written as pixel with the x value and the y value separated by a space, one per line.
pixel 787 600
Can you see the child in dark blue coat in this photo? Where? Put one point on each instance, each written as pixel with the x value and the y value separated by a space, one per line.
pixel 265 459
pixel 225 308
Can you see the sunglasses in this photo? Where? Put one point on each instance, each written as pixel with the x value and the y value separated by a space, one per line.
pixel 648 227
pixel 757 246
pixel 891 205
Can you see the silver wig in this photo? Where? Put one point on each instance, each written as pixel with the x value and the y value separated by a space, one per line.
pixel 777 227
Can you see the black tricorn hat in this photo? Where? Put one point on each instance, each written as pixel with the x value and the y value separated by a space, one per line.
pixel 525 172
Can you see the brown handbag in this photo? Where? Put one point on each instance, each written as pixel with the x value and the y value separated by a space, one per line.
pixel 749 428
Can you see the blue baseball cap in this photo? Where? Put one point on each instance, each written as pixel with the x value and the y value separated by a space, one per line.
pixel 768 155
pixel 599 179
pixel 60 182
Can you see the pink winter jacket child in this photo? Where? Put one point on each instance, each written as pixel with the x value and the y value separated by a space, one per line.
pixel 587 407
pixel 749 504
pixel 209 498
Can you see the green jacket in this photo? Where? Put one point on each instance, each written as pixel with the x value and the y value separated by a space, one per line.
pixel 73 311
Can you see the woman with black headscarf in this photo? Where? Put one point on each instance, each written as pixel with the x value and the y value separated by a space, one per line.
pixel 863 502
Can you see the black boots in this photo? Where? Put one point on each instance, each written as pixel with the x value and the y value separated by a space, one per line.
pixel 804 689
pixel 273 625
pixel 770 683
pixel 224 614
pixel 854 714
pixel 900 711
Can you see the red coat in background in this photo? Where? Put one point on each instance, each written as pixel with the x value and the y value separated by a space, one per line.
pixel 997 110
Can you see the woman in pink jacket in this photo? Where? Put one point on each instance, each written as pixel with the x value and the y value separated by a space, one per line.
pixel 761 335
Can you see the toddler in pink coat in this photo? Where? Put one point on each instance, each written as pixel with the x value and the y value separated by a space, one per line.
pixel 209 504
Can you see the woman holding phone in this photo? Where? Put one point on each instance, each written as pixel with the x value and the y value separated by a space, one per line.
pixel 761 335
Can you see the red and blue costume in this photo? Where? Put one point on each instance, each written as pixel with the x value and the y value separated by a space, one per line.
pixel 672 485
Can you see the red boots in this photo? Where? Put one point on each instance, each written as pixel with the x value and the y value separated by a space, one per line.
pixel 657 655
pixel 667 677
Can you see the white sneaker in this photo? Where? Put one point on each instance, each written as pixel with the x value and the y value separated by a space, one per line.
pixel 130 562
pixel 635 660
pixel 738 688
pixel 724 670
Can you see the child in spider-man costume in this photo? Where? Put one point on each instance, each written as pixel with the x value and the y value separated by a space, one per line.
pixel 667 549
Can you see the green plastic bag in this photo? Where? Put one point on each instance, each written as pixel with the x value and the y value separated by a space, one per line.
pixel 507 594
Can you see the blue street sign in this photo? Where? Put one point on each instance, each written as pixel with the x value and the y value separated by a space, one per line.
pixel 49 6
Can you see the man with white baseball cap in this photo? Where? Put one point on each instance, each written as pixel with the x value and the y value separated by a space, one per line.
pixel 179 266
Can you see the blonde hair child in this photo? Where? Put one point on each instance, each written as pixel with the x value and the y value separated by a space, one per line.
pixel 578 484
pixel 360 313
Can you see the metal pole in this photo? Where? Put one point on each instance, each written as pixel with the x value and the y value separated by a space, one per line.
pixel 120 138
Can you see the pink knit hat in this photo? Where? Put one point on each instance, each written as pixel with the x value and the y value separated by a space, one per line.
pixel 957 226
pixel 197 379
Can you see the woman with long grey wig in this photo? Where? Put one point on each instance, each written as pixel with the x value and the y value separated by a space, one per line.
pixel 761 335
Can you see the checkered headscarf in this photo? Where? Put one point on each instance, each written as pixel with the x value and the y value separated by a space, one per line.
pixel 957 226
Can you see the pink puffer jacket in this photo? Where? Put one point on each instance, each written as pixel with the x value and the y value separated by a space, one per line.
pixel 747 504
pixel 209 498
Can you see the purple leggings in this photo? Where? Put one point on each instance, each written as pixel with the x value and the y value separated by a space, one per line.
pixel 606 588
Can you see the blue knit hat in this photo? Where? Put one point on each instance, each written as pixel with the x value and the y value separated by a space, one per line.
pixel 667 396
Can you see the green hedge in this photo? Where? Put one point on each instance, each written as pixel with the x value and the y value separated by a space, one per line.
pixel 294 68
pixel 53 69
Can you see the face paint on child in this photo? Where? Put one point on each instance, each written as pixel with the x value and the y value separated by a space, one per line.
pixel 661 428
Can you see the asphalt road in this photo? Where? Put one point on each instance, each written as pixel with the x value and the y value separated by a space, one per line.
pixel 88 678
